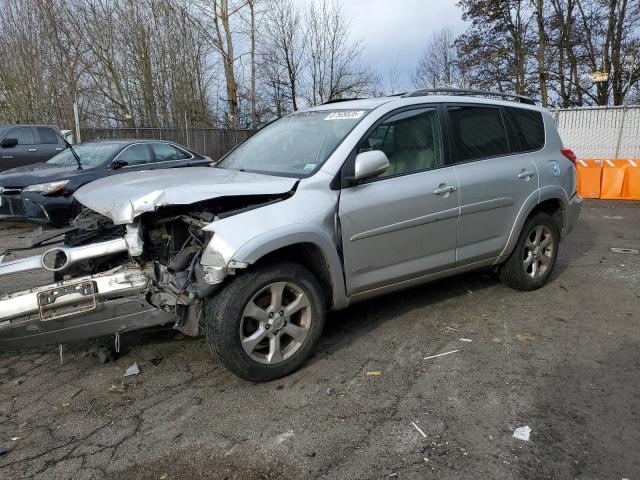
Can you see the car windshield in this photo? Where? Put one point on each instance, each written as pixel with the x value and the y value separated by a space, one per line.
pixel 91 154
pixel 295 145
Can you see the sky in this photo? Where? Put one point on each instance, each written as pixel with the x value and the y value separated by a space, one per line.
pixel 397 30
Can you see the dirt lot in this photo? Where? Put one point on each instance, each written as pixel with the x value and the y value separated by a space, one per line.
pixel 563 360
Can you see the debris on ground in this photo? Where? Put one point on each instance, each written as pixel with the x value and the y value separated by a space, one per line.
pixel 3 450
pixel 441 354
pixel 624 250
pixel 132 370
pixel 329 391
pixel 374 373
pixel 156 360
pixel 613 217
pixel 522 433
pixel 117 388
pixel 103 353
pixel 465 339
pixel 524 338
pixel 419 429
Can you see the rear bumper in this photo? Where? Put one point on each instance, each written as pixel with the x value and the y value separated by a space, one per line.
pixel 575 205
pixel 117 303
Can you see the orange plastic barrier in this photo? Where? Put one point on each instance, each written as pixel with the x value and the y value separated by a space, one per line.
pixel 620 179
pixel 589 178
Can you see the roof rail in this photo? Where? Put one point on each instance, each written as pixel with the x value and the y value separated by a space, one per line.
pixel 471 93
pixel 338 100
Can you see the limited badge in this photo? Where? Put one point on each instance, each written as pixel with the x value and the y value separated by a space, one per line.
pixel 554 168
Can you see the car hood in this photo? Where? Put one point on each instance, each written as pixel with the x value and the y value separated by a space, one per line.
pixel 124 197
pixel 38 173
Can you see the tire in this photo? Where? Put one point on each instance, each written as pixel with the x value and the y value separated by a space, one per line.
pixel 530 264
pixel 245 325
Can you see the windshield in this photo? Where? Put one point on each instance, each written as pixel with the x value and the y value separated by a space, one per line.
pixel 295 145
pixel 91 155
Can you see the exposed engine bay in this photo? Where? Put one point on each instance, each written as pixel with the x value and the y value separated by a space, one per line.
pixel 111 278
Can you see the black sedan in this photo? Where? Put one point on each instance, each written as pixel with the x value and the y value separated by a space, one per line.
pixel 42 193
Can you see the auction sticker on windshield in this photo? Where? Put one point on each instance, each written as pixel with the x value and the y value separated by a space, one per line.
pixel 348 115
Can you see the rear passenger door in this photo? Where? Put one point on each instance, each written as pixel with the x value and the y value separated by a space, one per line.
pixel 49 143
pixel 495 179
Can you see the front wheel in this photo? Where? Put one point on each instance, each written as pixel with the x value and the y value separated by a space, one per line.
pixel 264 324
pixel 530 264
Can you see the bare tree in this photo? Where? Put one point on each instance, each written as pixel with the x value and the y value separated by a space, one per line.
pixel 284 46
pixel 332 57
pixel 438 64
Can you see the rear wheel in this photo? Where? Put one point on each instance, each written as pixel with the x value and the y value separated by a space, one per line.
pixel 264 324
pixel 530 264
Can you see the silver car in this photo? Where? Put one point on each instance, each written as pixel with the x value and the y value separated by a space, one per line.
pixel 320 209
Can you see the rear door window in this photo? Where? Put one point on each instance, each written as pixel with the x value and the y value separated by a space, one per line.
pixel 166 153
pixel 47 135
pixel 525 128
pixel 24 135
pixel 478 132
pixel 136 154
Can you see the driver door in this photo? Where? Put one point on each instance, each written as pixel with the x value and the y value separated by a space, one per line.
pixel 401 224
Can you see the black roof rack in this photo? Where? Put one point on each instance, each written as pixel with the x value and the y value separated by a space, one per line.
pixel 471 93
pixel 338 100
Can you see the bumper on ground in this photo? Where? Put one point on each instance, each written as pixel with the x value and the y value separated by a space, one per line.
pixel 80 308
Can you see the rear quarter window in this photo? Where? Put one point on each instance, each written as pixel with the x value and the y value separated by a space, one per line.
pixel 525 129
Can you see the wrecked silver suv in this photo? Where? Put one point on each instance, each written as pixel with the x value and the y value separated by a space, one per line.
pixel 319 209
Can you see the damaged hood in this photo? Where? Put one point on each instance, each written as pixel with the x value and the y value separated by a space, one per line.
pixel 124 197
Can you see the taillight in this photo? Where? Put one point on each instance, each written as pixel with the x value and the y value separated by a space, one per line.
pixel 567 152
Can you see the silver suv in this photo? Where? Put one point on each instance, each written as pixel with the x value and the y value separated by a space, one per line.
pixel 320 209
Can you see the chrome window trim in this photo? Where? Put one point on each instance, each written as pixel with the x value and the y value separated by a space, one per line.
pixel 148 144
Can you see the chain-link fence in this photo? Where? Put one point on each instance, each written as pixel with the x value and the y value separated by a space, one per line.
pixel 213 142
pixel 601 132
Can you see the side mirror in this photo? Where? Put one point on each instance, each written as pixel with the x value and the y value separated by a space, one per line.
pixel 116 164
pixel 369 164
pixel 9 142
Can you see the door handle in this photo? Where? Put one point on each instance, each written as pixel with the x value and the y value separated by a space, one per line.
pixel 32 150
pixel 59 149
pixel 7 156
pixel 526 174
pixel 447 189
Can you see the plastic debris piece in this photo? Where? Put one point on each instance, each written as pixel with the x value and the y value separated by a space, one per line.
pixel 419 429
pixel 15 439
pixel 132 370
pixel 441 354
pixel 522 433
pixel 465 340
pixel 374 373
pixel 613 217
pixel 625 250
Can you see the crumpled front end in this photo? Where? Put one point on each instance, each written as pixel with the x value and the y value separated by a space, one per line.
pixel 112 278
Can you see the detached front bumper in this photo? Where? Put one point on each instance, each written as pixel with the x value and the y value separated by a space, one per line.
pixel 83 307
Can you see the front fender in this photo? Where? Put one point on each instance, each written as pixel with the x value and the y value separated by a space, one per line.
pixel 293 234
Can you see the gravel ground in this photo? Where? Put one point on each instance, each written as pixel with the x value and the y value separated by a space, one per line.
pixel 563 360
